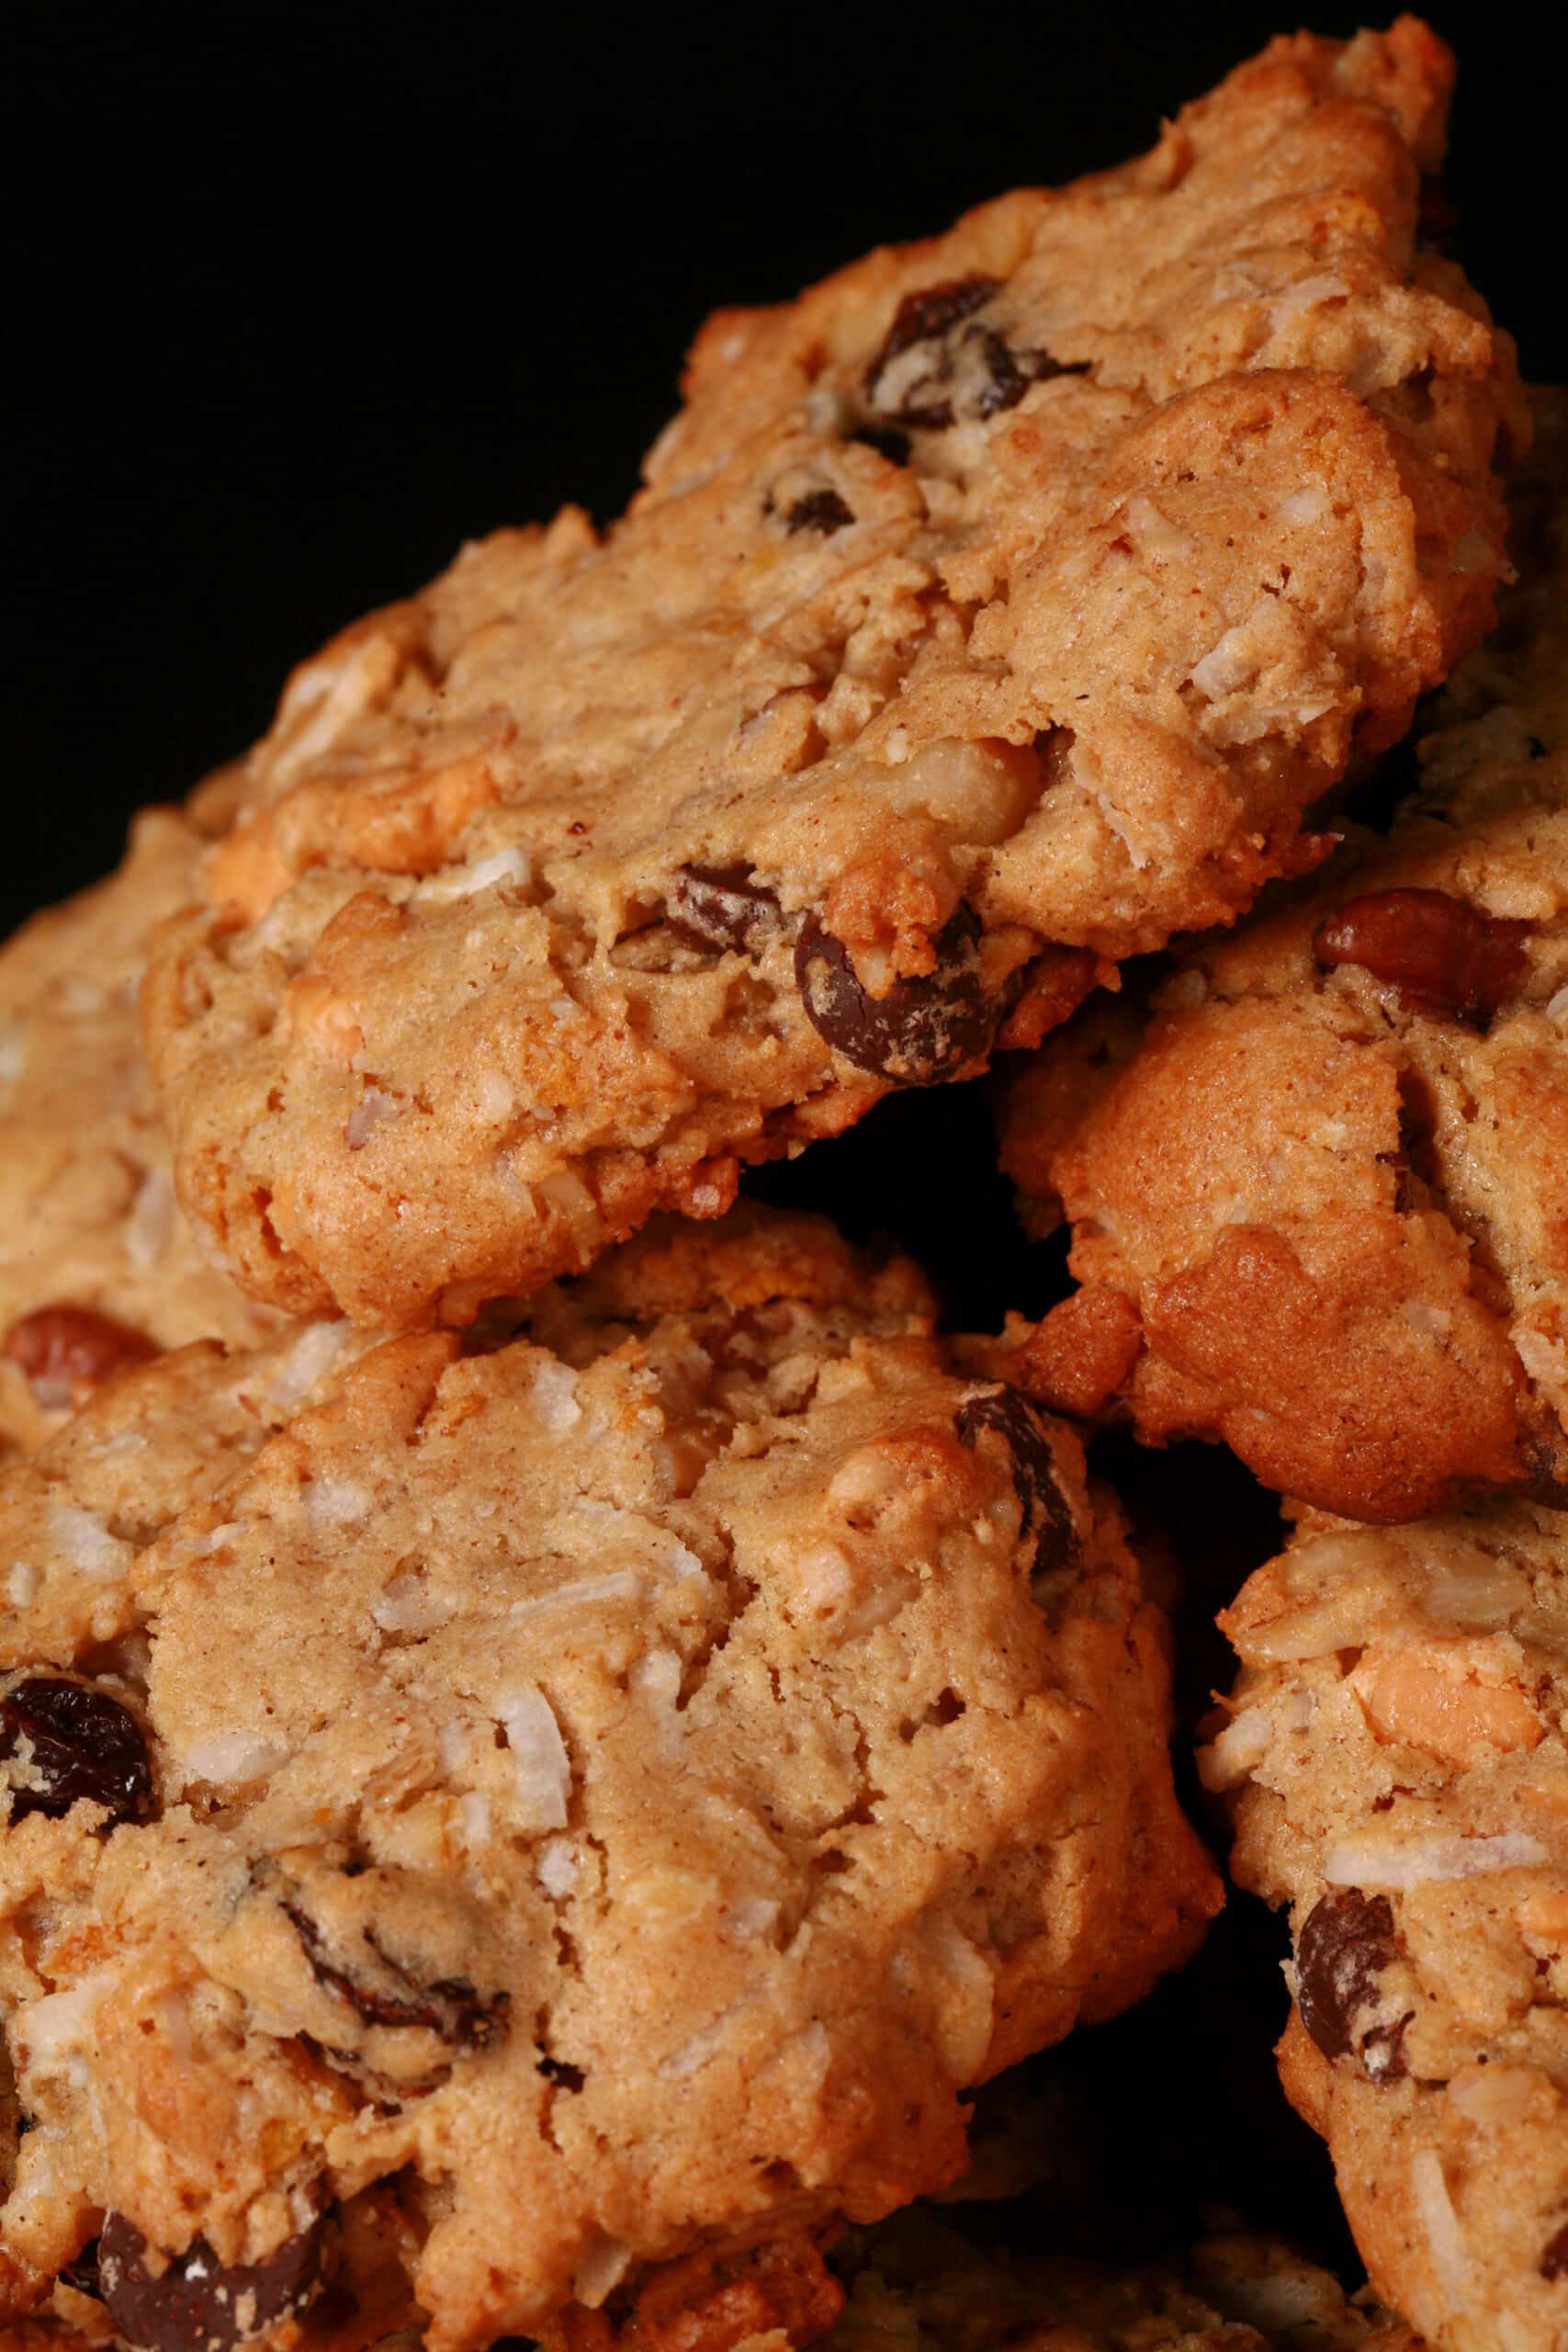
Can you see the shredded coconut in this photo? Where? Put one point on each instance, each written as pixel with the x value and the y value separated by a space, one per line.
pixel 410 1605
pixel 232 1756
pixel 474 1811
pixel 558 1868
pixel 503 868
pixel 604 2265
pixel 1413 1861
pixel 374 1105
pixel 333 1502
pixel 554 1396
pixel 150 1228
pixel 314 1353
pixel 539 1759
pixel 1438 2216
pixel 586 1592
pixel 86 1544
pixel 22 1584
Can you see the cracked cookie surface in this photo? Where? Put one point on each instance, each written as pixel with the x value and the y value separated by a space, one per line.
pixel 1318 1192
pixel 989 614
pixel 624 1781
pixel 1396 1758
pixel 97 1265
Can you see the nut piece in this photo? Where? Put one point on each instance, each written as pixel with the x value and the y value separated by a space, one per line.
pixel 1441 955
pixel 66 1353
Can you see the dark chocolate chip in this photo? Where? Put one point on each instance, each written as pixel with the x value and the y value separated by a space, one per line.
pixel 67 1742
pixel 722 906
pixel 64 1352
pixel 1345 1942
pixel 922 1030
pixel 1440 954
pixel 195 2303
pixel 1554 2255
pixel 449 2008
pixel 1047 1514
pixel 820 509
pixel 886 439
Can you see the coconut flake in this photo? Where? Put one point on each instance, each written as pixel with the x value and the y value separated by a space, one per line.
pixel 474 1812
pixel 333 1502
pixel 58 2023
pixel 494 1098
pixel 230 1758
pixel 149 1226
pixel 1227 665
pixel 374 1105
pixel 22 1584
pixel 603 2265
pixel 554 1396
pixel 558 1868
pixel 86 1544
pixel 585 1593
pixel 314 1353
pixel 410 1605
pixel 750 1915
pixel 1308 505
pixel 1414 1861
pixel 539 1759
pixel 1438 2219
pixel 1306 294
pixel 1235 1751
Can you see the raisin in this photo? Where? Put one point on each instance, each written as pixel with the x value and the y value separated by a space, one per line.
pixel 922 1030
pixel 971 374
pixel 921 317
pixel 1440 954
pixel 722 906
pixel 1347 1941
pixel 66 1741
pixel 820 509
pixel 196 2303
pixel 1554 2255
pixel 449 2008
pixel 64 1352
pixel 1047 1515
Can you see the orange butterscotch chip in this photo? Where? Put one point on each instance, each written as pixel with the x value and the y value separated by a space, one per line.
pixel 1412 1697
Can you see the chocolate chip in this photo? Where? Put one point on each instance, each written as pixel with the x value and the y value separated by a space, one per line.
pixel 722 906
pixel 1554 2256
pixel 922 1030
pixel 1440 954
pixel 81 2273
pixel 820 509
pixel 886 439
pixel 62 1742
pixel 64 1352
pixel 196 2303
pixel 1047 1514
pixel 450 2007
pixel 1345 1942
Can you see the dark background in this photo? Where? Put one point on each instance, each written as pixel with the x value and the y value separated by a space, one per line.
pixel 300 297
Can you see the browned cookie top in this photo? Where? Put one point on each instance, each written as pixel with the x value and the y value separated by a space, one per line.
pixel 1319 1189
pixel 990 613
pixel 629 1780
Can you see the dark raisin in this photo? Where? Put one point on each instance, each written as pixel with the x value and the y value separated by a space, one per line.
pixel 922 1030
pixel 195 2303
pixel 1047 1515
pixel 1345 1943
pixel 820 509
pixel 64 1742
pixel 1441 955
pixel 920 317
pixel 560 2072
pixel 722 906
pixel 886 439
pixel 1005 382
pixel 66 1352
pixel 1554 2255
pixel 449 2008
pixel 81 2273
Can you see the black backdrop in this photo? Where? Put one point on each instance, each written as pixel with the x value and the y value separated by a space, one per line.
pixel 298 297
pixel 301 297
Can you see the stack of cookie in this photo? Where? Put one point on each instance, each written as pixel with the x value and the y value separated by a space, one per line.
pixel 558 1725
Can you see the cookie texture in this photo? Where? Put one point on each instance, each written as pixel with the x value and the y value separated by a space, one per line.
pixel 1395 1758
pixel 989 614
pixel 916 2286
pixel 686 1738
pixel 97 1265
pixel 1318 1188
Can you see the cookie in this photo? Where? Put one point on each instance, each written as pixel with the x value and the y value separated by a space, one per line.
pixel 916 2286
pixel 97 1265
pixel 685 1740
pixel 1317 1190
pixel 990 613
pixel 1395 1758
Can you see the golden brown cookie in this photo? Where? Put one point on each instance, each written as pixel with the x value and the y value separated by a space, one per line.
pixel 97 1265
pixel 1318 1188
pixel 991 612
pixel 628 1779
pixel 1395 1757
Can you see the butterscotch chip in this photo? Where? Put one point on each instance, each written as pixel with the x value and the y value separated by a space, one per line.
pixel 1321 1175
pixel 97 1265
pixel 1395 1755
pixel 988 614
pixel 627 1778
